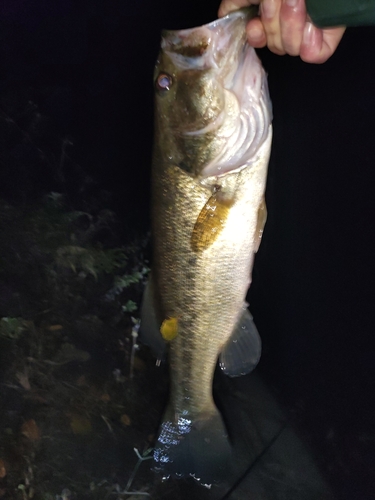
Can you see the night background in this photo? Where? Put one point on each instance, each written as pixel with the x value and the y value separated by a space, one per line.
pixel 76 117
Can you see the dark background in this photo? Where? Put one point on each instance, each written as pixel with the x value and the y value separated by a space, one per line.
pixel 84 75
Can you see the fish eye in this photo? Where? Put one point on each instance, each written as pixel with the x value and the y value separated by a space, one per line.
pixel 163 81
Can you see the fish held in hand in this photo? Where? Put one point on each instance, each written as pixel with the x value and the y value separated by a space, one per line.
pixel 211 151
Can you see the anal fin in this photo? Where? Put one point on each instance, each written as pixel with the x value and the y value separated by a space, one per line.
pixel 241 353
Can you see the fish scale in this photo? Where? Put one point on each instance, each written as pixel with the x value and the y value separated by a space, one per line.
pixel 208 182
pixel 206 298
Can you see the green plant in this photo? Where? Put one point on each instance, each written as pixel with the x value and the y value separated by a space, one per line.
pixel 12 328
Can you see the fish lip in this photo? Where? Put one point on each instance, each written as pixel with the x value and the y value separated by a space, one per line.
pixel 246 14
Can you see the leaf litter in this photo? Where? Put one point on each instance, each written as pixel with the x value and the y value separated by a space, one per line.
pixel 78 399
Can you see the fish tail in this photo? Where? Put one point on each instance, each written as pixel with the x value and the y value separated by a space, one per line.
pixel 197 447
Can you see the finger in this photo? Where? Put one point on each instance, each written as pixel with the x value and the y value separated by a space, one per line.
pixel 256 35
pixel 292 23
pixel 227 6
pixel 318 45
pixel 270 10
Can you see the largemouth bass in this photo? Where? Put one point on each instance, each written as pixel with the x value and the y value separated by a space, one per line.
pixel 211 150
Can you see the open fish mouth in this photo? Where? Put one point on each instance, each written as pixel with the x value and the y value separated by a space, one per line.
pixel 208 46
pixel 243 123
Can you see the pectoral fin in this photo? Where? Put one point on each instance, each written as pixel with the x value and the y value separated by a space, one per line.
pixel 262 217
pixel 210 222
pixel 242 351
pixel 150 327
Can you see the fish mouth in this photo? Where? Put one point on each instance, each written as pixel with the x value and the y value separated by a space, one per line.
pixel 209 46
pixel 245 119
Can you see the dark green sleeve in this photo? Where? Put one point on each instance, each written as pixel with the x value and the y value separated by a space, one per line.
pixel 326 13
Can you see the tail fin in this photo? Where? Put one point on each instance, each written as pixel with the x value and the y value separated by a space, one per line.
pixel 197 448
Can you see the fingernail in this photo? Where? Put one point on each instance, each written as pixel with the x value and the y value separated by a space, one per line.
pixel 308 33
pixel 291 3
pixel 268 8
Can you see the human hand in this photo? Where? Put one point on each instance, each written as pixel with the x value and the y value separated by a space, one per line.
pixel 285 27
